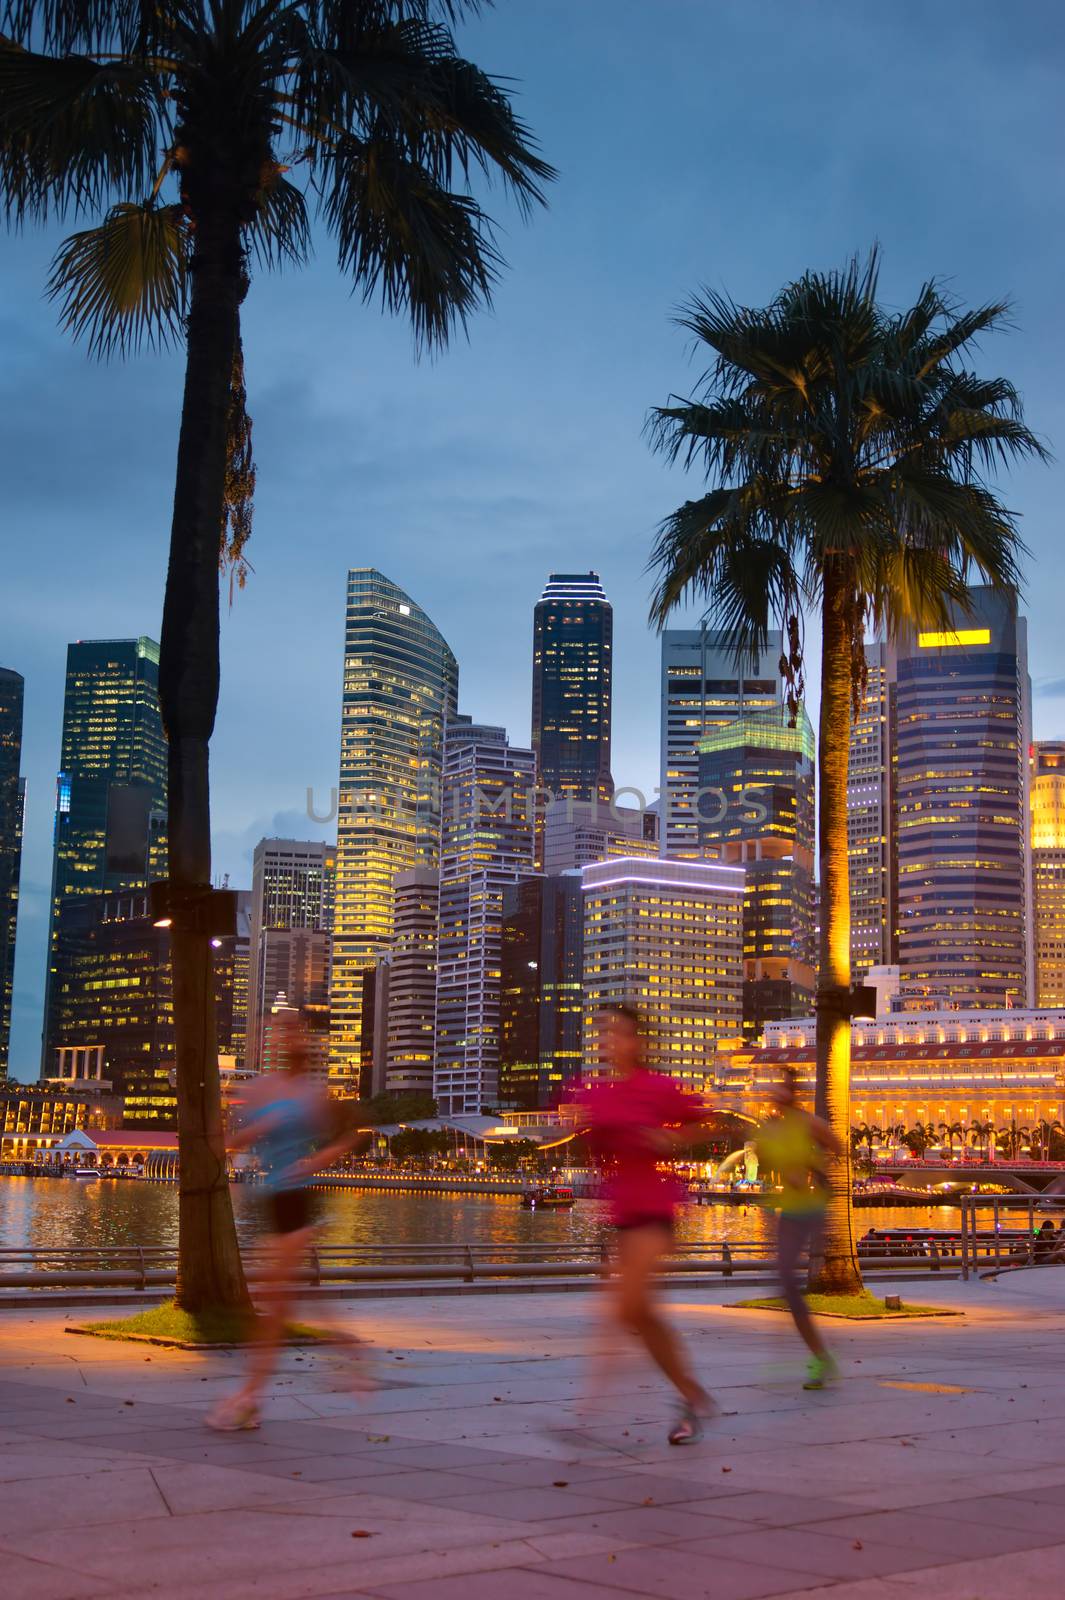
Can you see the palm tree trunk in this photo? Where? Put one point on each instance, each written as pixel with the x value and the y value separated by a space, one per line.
pixel 209 1266
pixel 838 1271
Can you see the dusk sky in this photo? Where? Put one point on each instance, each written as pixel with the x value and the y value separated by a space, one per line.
pixel 698 142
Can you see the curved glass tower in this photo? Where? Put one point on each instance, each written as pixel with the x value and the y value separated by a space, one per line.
pixel 400 686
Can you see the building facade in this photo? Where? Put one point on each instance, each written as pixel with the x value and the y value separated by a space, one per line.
pixel 576 833
pixel 963 718
pixel 701 688
pixel 667 938
pixel 410 1044
pixel 292 900
pixel 12 800
pixel 870 820
pixel 1047 777
pixel 542 1014
pixel 111 789
pixel 400 685
pixel 486 843
pixel 573 630
pixel 756 780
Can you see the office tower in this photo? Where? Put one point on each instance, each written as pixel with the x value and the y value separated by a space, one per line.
pixel 113 993
pixel 11 809
pixel 578 832
pixel 400 684
pixel 962 706
pixel 411 1026
pixel 702 688
pixel 666 937
pixel 373 1031
pixel 756 777
pixel 1047 767
pixel 573 627
pixel 275 1037
pixel 542 1009
pixel 870 822
pixel 111 789
pixel 292 894
pixel 486 843
pixel 232 966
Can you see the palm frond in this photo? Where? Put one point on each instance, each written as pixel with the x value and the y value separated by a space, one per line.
pixel 73 130
pixel 281 229
pixel 123 284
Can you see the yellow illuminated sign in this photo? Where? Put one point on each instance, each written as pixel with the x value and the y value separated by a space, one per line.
pixel 952 641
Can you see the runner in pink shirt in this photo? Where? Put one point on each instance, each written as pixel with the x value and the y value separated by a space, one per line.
pixel 636 1119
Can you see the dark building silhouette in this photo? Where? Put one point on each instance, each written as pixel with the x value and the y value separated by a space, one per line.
pixel 573 629
pixel 542 997
pixel 11 809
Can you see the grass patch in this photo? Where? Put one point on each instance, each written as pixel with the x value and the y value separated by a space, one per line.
pixel 187 1330
pixel 864 1307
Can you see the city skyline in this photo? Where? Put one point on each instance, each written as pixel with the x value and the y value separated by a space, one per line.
pixel 529 444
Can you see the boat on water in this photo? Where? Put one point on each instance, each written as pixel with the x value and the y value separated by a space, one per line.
pixel 551 1197
pixel 84 1172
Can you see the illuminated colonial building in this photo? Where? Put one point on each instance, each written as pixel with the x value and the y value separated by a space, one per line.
pixel 1048 870
pixel 541 1029
pixel 870 824
pixel 400 684
pixel 486 843
pixel 573 627
pixel 963 702
pixel 292 893
pixel 410 1037
pixel 12 794
pixel 756 777
pixel 111 789
pixel 666 937
pixel 701 689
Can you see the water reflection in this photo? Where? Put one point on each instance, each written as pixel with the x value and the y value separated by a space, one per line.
pixel 52 1213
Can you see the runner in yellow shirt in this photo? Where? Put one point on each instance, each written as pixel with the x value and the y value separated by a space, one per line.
pixel 793 1145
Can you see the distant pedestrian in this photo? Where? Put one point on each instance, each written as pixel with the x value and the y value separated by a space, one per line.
pixel 288 1117
pixel 1049 1245
pixel 637 1119
pixel 795 1145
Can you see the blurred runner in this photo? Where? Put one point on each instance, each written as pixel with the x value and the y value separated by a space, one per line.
pixel 635 1120
pixel 288 1118
pixel 794 1145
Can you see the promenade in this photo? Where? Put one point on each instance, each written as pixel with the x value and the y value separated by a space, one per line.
pixel 936 1466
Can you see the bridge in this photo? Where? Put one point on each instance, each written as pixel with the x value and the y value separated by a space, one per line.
pixel 1024 1177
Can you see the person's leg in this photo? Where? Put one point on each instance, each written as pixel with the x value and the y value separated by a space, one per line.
pixel 639 1252
pixel 794 1235
pixel 284 1253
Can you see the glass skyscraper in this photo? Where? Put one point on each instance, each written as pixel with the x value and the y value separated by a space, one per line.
pixel 756 777
pixel 400 684
pixel 541 1022
pixel 111 789
pixel 11 808
pixel 962 709
pixel 573 631
pixel 1048 870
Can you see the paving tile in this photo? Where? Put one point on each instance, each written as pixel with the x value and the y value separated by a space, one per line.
pixel 528 1505
pixel 778 1509
pixel 27 1579
pixel 676 1575
pixel 944 1539
pixel 517 1585
pixel 78 1500
pixel 799 1550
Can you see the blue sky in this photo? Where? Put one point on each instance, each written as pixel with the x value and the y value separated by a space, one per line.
pixel 698 142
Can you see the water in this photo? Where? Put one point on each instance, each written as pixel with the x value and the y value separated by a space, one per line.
pixel 57 1212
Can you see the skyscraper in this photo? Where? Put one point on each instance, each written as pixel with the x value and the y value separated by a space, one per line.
pixel 666 937
pixel 411 1023
pixel 963 702
pixel 578 832
pixel 701 689
pixel 111 790
pixel 400 684
pixel 1048 870
pixel 486 843
pixel 757 810
pixel 573 628
pixel 11 809
pixel 292 895
pixel 870 820
pixel 542 1015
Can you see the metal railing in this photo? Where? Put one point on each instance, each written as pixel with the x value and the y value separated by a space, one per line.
pixel 1014 1238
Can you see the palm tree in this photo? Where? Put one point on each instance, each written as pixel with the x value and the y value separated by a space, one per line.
pixel 847 450
pixel 202 135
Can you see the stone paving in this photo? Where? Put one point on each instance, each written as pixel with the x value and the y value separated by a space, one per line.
pixel 936 1466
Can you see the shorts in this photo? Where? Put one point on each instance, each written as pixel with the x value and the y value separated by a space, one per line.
pixel 631 1224
pixel 290 1210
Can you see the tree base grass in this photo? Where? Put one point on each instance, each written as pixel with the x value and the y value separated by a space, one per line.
pixel 864 1307
pixel 188 1330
